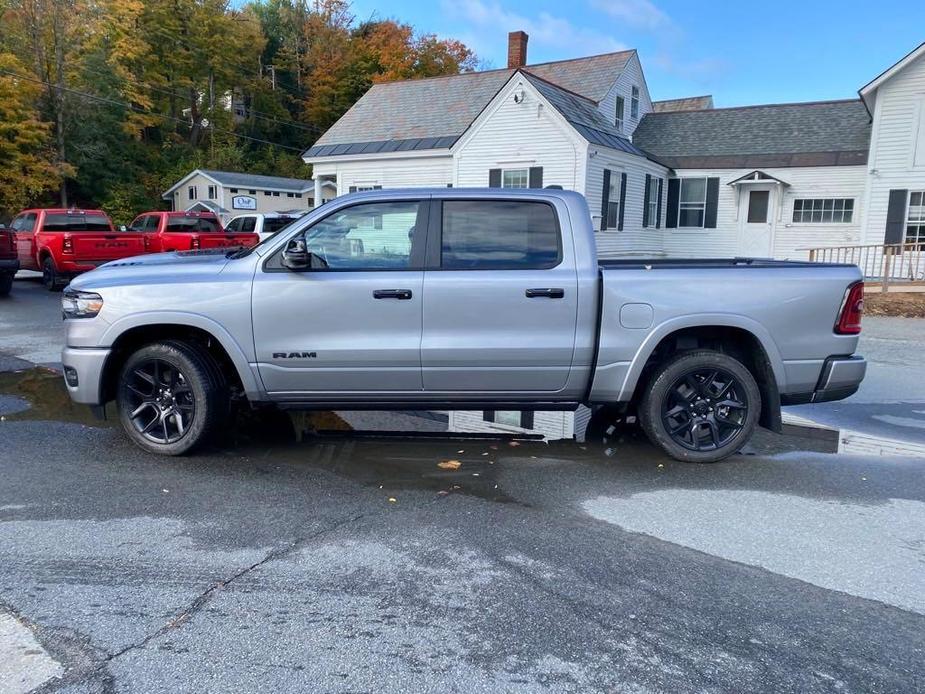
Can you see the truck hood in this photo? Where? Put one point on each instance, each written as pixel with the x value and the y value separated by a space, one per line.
pixel 178 265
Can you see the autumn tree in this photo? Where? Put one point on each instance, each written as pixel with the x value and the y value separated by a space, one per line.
pixel 30 168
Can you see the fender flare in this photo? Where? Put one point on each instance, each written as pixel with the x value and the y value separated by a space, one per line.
pixel 238 356
pixel 700 320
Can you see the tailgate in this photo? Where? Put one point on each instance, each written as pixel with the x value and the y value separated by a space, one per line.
pixel 222 240
pixel 94 246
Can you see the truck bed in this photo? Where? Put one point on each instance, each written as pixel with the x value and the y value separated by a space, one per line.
pixel 705 263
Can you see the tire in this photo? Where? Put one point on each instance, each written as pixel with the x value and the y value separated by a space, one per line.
pixel 6 283
pixel 701 406
pixel 171 397
pixel 51 280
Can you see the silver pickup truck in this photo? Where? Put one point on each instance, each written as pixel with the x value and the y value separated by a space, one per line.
pixel 459 299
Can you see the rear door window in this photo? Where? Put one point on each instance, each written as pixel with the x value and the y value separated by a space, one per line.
pixel 234 225
pixel 139 223
pixel 248 224
pixel 60 221
pixel 152 222
pixel 275 224
pixel 499 235
pixel 191 224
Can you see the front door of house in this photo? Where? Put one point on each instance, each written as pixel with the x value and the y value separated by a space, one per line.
pixel 756 221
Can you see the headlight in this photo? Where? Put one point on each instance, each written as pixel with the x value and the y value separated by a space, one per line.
pixel 81 304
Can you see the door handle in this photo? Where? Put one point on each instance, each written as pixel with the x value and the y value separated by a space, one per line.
pixel 548 292
pixel 400 294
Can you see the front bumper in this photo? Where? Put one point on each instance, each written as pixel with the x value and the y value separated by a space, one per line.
pixel 9 265
pixel 840 378
pixel 83 373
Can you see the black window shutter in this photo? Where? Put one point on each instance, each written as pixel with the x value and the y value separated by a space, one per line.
pixel 622 200
pixel 896 216
pixel 605 199
pixel 536 176
pixel 488 415
pixel 645 203
pixel 352 189
pixel 674 190
pixel 526 419
pixel 658 205
pixel 709 217
pixel 494 178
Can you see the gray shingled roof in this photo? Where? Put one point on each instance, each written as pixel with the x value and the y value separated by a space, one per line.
pixel 246 180
pixel 583 115
pixel 433 113
pixel 825 133
pixel 688 103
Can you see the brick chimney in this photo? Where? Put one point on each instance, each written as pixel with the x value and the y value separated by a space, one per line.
pixel 517 49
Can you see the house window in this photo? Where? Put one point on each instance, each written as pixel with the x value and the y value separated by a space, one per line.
pixel 290 195
pixel 252 192
pixel 298 195
pixel 620 113
pixel 652 211
pixel 212 193
pixel 515 178
pixel 232 190
pixel 275 194
pixel 634 103
pixel 823 210
pixel 613 201
pixel 191 192
pixel 511 418
pixel 692 202
pixel 267 193
pixel 915 220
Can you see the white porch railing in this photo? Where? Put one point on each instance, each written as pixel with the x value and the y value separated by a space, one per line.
pixel 884 264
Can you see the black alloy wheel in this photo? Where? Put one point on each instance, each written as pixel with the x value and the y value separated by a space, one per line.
pixel 705 409
pixel 160 399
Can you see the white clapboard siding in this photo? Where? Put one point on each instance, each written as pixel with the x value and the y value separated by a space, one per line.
pixel 406 172
pixel 553 425
pixel 898 130
pixel 510 135
pixel 623 86
pixel 633 239
pixel 805 182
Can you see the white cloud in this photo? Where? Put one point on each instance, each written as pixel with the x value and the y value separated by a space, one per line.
pixel 638 13
pixel 493 22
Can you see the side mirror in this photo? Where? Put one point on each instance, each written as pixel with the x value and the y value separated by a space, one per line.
pixel 298 258
pixel 122 227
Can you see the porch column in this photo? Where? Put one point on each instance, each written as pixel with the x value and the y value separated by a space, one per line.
pixel 317 202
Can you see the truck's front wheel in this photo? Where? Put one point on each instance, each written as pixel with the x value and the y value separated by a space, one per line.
pixel 171 397
pixel 701 406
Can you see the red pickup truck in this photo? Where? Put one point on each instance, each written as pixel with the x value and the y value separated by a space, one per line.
pixel 9 263
pixel 185 231
pixel 63 243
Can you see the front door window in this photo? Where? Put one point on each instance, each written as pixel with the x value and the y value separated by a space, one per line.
pixel 758 206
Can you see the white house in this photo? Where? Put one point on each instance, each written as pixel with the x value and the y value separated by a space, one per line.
pixel 665 178
pixel 228 193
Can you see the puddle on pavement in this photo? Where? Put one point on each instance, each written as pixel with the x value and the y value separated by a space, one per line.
pixel 393 462
pixel 47 398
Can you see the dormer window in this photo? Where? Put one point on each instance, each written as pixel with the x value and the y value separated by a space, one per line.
pixel 634 103
pixel 620 112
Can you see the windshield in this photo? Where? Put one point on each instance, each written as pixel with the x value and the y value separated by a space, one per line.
pixel 60 221
pixel 188 224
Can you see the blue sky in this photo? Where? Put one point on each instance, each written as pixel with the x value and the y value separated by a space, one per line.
pixel 743 52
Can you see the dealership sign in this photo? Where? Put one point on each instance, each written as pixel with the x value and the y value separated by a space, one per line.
pixel 243 202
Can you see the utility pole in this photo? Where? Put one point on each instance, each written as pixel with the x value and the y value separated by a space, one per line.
pixel 272 70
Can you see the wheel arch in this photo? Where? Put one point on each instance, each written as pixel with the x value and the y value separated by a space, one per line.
pixel 741 337
pixel 122 339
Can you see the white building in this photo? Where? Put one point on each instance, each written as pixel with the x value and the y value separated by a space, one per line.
pixel 671 178
pixel 228 193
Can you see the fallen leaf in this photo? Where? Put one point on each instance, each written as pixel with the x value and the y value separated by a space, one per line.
pixel 513 444
pixel 485 453
pixel 475 474
pixel 392 499
pixel 460 451
pixel 449 465
pixel 660 465
pixel 442 492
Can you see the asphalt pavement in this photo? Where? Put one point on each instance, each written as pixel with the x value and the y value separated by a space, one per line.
pixel 353 562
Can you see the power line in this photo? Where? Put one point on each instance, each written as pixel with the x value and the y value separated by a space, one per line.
pixel 137 109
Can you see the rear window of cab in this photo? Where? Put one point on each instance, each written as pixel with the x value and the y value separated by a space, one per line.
pixel 60 221
pixel 192 224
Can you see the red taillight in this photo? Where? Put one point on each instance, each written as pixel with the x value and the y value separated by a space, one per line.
pixel 68 245
pixel 849 320
pixel 195 242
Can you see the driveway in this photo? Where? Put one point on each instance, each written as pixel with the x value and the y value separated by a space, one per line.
pixel 891 400
pixel 353 562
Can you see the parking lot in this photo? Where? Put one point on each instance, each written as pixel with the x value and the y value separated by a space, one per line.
pixel 350 561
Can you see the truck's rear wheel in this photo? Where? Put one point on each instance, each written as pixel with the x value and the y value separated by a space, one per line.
pixel 701 406
pixel 51 280
pixel 171 397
